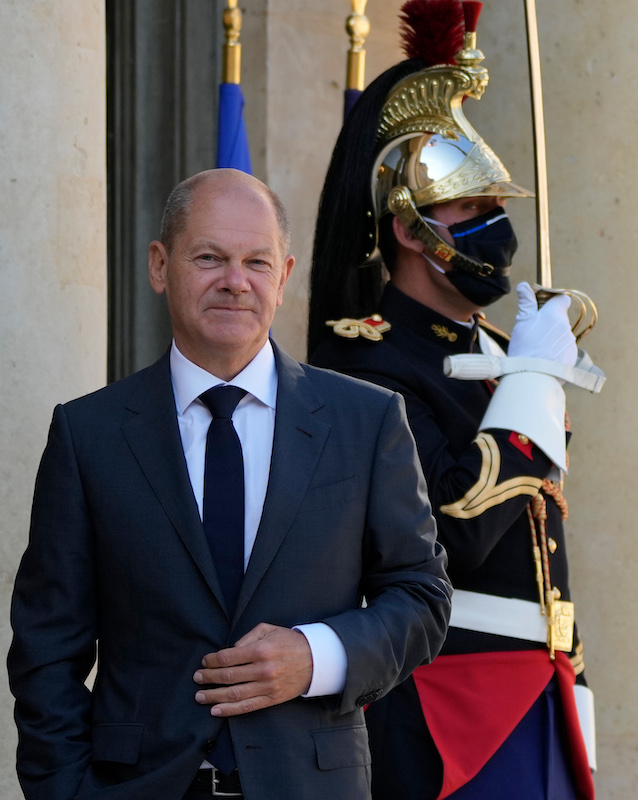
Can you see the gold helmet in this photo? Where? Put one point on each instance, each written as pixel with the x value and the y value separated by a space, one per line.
pixel 426 143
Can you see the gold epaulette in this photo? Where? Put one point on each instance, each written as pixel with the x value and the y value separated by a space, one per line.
pixel 370 328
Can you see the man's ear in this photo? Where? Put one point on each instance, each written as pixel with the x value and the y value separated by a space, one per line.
pixel 288 264
pixel 405 237
pixel 157 263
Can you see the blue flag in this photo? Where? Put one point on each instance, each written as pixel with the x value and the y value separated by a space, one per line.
pixel 232 142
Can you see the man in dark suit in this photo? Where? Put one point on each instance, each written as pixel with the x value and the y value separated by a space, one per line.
pixel 191 679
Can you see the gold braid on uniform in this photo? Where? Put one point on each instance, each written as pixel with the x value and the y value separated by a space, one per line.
pixel 371 328
pixel 553 489
pixel 560 614
pixel 487 492
pixel 577 659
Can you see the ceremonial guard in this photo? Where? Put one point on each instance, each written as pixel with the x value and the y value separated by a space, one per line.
pixel 412 242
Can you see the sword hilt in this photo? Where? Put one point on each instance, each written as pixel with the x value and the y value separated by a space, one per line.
pixel 587 313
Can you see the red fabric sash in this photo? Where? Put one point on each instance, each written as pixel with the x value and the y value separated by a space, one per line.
pixel 580 763
pixel 473 702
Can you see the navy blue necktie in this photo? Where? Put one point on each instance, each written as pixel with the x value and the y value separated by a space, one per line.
pixel 223 507
pixel 223 517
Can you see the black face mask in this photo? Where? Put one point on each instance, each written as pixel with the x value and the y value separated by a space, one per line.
pixel 489 238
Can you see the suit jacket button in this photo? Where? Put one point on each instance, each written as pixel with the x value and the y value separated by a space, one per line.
pixel 210 743
pixel 361 701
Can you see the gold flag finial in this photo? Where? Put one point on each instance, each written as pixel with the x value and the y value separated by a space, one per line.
pixel 231 69
pixel 358 28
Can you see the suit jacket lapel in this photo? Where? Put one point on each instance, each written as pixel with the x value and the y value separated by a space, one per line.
pixel 153 436
pixel 299 440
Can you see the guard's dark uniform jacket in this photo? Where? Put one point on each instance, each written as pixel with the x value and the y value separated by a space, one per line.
pixel 481 485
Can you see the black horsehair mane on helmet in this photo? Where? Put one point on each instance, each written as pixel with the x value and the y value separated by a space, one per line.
pixel 345 234
pixel 339 287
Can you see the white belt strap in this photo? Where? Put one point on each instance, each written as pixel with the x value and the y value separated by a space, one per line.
pixel 477 366
pixel 504 616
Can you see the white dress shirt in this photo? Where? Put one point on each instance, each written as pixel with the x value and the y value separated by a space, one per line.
pixel 254 421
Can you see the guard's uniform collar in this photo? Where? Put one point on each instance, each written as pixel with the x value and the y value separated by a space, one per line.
pixel 400 309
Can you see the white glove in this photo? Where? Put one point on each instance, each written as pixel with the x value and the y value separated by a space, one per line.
pixel 543 332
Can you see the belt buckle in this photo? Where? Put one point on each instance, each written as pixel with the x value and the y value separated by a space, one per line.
pixel 215 781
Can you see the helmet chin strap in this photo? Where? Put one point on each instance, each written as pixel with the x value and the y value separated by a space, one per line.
pixel 402 205
pixel 431 261
pixel 433 264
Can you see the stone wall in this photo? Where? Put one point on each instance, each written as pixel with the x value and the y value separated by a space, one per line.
pixel 52 258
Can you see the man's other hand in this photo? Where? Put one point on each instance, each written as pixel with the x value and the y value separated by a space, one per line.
pixel 267 666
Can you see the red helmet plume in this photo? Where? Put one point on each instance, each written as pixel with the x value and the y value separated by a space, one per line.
pixel 432 30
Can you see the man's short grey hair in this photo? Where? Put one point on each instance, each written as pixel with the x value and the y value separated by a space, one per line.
pixel 181 198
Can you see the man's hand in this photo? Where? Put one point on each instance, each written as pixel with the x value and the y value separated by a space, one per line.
pixel 267 666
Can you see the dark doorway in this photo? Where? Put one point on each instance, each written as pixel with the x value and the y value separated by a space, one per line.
pixel 162 83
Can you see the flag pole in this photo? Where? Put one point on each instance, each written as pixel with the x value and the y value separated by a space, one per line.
pixel 231 66
pixel 358 28
pixel 232 141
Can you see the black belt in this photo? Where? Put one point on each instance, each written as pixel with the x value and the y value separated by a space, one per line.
pixel 216 784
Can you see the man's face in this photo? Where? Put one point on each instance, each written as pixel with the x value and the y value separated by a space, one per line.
pixel 224 277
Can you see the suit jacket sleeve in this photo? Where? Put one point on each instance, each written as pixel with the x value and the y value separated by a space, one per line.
pixel 55 628
pixel 404 581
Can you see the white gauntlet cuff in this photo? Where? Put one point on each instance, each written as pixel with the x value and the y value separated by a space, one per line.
pixel 585 708
pixel 532 404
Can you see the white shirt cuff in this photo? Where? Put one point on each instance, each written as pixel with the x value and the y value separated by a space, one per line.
pixel 532 404
pixel 329 659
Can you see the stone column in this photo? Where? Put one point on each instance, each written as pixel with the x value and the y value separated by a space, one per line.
pixel 52 257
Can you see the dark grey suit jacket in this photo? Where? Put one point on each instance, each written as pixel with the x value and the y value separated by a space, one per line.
pixel 117 556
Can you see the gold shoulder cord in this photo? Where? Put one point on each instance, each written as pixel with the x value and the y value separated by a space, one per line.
pixel 559 613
